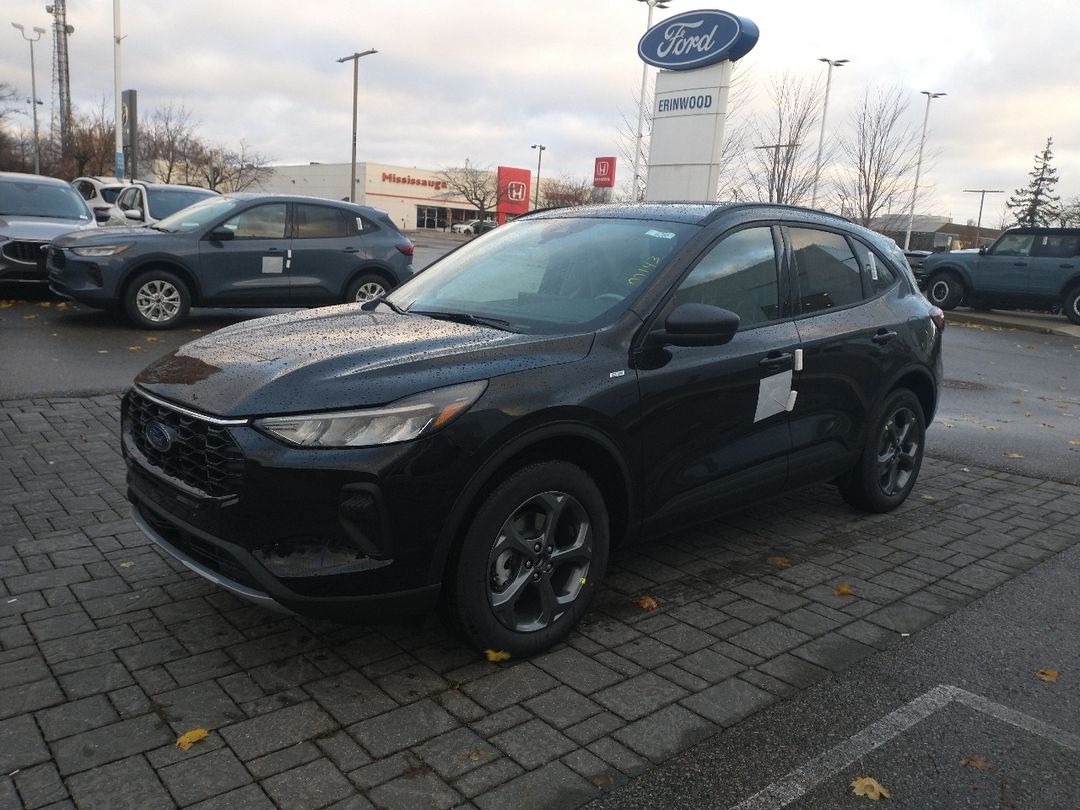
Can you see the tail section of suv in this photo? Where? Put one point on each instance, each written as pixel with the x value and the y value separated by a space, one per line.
pixel 1025 268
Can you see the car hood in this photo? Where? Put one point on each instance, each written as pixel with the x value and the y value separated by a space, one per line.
pixel 108 236
pixel 341 357
pixel 42 228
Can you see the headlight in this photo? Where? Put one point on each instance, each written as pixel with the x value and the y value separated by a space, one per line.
pixel 103 250
pixel 399 421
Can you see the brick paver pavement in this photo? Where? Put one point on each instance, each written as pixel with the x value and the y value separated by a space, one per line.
pixel 109 650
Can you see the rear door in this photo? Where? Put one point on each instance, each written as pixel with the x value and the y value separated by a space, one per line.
pixel 251 269
pixel 327 246
pixel 714 428
pixel 1054 260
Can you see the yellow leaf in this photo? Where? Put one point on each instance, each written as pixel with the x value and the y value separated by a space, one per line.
pixel 127 564
pixel 102 351
pixel 1013 455
pixel 1018 402
pixel 28 317
pixel 1074 442
pixel 1027 413
pixel 45 304
pixel 185 741
pixel 648 603
pixel 928 498
pixel 976 762
pixel 843 589
pixel 150 339
pixel 495 656
pixel 1048 675
pixel 1062 405
pixel 869 787
pixel 135 348
pixel 601 780
pixel 196 330
pixel 779 562
pixel 1031 347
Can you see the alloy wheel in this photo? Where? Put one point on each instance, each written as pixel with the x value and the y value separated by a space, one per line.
pixel 369 291
pixel 898 451
pixel 158 301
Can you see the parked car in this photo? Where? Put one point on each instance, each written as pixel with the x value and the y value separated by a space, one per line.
pixel 241 250
pixel 486 432
pixel 915 260
pixel 1029 268
pixel 474 226
pixel 145 203
pixel 100 194
pixel 463 227
pixel 34 210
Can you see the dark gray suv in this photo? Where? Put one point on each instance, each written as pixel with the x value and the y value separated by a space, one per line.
pixel 241 250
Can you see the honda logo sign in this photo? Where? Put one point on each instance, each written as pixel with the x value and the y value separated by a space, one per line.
pixel 516 191
pixel 604 173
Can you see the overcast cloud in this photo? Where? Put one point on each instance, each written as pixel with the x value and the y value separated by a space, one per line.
pixel 484 81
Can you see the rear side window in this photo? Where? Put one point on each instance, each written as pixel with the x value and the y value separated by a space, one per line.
pixel 877 274
pixel 320 222
pixel 739 274
pixel 828 273
pixel 1056 246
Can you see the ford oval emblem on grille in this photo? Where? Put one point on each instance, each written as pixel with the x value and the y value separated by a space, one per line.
pixel 158 436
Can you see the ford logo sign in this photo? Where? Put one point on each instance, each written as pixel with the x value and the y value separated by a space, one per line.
pixel 158 436
pixel 695 39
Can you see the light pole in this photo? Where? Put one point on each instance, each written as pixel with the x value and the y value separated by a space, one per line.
pixel 982 192
pixel 33 90
pixel 539 157
pixel 930 96
pixel 652 4
pixel 355 84
pixel 775 179
pixel 824 111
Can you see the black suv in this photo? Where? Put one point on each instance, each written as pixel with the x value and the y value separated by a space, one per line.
pixel 1031 268
pixel 487 431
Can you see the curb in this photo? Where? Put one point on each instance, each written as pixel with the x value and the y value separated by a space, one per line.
pixel 1042 324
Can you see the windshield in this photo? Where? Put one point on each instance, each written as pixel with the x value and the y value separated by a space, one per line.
pixel 164 203
pixel 549 276
pixel 196 216
pixel 22 199
pixel 110 193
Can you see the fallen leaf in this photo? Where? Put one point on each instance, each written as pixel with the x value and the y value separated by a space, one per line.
pixel 28 317
pixel 416 770
pixel 1074 442
pixel 196 330
pixel 495 656
pixel 102 351
pixel 135 348
pixel 127 564
pixel 1027 413
pixel 1031 347
pixel 600 780
pixel 991 427
pixel 869 787
pixel 928 498
pixel 1013 455
pixel 150 339
pixel 45 304
pixel 475 755
pixel 185 741
pixel 1018 402
pixel 1048 675
pixel 964 469
pixel 1062 405
pixel 779 562
pixel 947 425
pixel 843 589
pixel 647 603
pixel 976 762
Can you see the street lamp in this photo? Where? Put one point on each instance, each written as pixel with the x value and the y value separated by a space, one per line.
pixel 33 90
pixel 539 157
pixel 930 96
pixel 652 4
pixel 355 58
pixel 824 111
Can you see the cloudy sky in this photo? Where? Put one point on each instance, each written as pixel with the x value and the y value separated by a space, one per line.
pixel 485 81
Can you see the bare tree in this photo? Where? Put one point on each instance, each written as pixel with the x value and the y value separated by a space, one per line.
pixel 877 156
pixel 566 191
pixel 170 142
pixel 478 187
pixel 781 168
pixel 225 169
pixel 92 146
pixel 1069 213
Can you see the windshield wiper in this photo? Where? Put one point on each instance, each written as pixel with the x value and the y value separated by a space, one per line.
pixel 466 317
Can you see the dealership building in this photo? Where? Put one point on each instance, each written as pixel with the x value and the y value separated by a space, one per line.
pixel 414 198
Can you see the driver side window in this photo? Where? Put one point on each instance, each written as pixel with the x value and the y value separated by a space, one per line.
pixel 260 222
pixel 1014 244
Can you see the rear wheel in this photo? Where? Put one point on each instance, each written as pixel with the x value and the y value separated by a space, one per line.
pixel 531 560
pixel 157 299
pixel 892 457
pixel 945 290
pixel 1071 306
pixel 366 288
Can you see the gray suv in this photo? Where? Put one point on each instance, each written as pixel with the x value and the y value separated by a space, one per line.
pixel 1030 268
pixel 240 250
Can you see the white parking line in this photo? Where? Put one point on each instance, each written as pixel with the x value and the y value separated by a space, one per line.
pixel 806 777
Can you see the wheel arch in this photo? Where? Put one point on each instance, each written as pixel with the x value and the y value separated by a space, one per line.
pixel 176 268
pixel 371 268
pixel 921 384
pixel 1071 283
pixel 957 270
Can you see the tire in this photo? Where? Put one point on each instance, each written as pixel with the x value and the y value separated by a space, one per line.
pixel 531 560
pixel 944 290
pixel 157 299
pixel 890 462
pixel 366 287
pixel 1071 306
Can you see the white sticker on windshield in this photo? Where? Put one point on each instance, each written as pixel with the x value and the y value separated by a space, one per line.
pixel 660 234
pixel 359 224
pixel 873 268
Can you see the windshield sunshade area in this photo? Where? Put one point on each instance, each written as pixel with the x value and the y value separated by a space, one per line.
pixel 41 200
pixel 547 275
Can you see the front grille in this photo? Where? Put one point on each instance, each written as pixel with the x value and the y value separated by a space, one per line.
pixel 25 252
pixel 205 553
pixel 200 454
pixel 58 258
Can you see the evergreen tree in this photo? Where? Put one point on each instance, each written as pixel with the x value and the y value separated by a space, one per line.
pixel 1037 205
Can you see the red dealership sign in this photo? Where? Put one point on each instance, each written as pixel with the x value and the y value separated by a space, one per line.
pixel 513 191
pixel 604 173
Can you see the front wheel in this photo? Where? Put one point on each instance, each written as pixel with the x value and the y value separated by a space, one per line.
pixel 365 288
pixel 892 457
pixel 945 290
pixel 157 299
pixel 1071 306
pixel 531 560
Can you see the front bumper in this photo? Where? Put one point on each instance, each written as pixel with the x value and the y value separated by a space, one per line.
pixel 85 280
pixel 22 261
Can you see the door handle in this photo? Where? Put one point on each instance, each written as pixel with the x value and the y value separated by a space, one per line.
pixel 274 250
pixel 352 250
pixel 883 336
pixel 774 361
pixel 1066 266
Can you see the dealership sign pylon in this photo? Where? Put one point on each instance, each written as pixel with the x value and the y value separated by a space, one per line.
pixel 695 51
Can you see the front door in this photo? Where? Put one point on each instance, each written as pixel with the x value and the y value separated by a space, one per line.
pixel 714 418
pixel 252 268
pixel 1006 268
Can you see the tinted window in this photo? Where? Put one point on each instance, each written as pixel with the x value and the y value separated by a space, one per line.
pixel 260 222
pixel 738 274
pixel 1055 246
pixel 109 195
pixel 166 203
pixel 319 222
pixel 128 199
pixel 1014 244
pixel 828 273
pixel 878 274
pixel 30 199
pixel 86 190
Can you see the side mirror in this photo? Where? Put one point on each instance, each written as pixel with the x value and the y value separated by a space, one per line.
pixel 134 213
pixel 220 235
pixel 101 215
pixel 982 250
pixel 699 325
